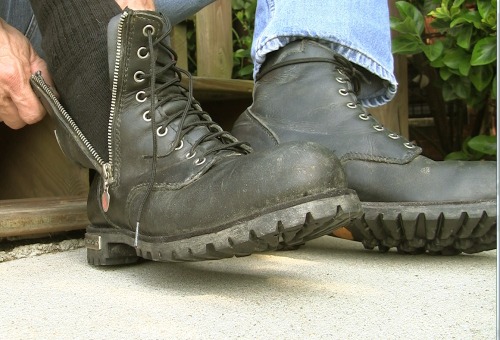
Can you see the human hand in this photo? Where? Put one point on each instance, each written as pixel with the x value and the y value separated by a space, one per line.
pixel 18 60
pixel 148 5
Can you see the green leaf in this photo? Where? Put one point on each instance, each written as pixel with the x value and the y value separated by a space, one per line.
pixel 464 66
pixel 484 144
pixel 405 26
pixel 406 45
pixel 481 76
pixel 494 88
pixel 485 8
pixel 429 5
pixel 473 17
pixel 433 51
pixel 407 10
pixel 441 13
pixel 456 156
pixel 460 88
pixel 485 51
pixel 445 73
pixel 457 3
pixel 246 70
pixel 464 37
pixel 437 63
pixel 440 24
pixel 448 92
pixel 241 53
pixel 458 21
pixel 454 57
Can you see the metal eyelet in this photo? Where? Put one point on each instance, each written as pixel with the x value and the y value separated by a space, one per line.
pixel 140 96
pixel 146 116
pixel 190 155
pixel 393 136
pixel 341 72
pixel 343 92
pixel 147 28
pixel 409 145
pixel 141 55
pixel 139 76
pixel 161 134
pixel 181 144
pixel 352 105
pixel 200 161
pixel 364 116
pixel 378 127
pixel 341 80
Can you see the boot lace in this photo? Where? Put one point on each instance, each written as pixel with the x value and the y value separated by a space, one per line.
pixel 162 91
pixel 352 77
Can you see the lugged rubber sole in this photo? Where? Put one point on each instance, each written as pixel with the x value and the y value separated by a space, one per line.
pixel 285 227
pixel 438 229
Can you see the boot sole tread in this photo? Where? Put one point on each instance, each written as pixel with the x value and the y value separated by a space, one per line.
pixel 283 228
pixel 436 229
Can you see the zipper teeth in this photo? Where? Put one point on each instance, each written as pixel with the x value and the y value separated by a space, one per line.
pixel 114 88
pixel 67 117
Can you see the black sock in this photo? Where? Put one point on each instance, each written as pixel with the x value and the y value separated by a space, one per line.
pixel 74 39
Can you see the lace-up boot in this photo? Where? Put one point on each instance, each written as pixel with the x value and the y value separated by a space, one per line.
pixel 305 92
pixel 175 186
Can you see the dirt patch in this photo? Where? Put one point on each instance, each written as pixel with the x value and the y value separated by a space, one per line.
pixel 13 249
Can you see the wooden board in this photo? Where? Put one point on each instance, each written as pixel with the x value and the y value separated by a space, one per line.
pixel 42 216
pixel 216 89
pixel 214 40
pixel 32 165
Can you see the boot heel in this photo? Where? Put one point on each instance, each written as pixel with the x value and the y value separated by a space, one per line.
pixel 102 252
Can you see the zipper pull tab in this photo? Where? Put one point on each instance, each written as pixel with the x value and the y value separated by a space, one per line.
pixel 107 180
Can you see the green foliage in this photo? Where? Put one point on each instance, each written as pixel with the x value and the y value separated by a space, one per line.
pixel 463 47
pixel 243 12
pixel 243 26
pixel 476 148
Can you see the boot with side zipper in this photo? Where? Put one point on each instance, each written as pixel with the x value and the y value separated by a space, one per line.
pixel 306 92
pixel 175 186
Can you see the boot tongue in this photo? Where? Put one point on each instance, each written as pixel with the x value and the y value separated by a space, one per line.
pixel 114 31
pixel 113 43
pixel 119 25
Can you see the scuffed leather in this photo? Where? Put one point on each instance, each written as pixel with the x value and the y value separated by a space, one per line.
pixel 301 102
pixel 70 144
pixel 189 199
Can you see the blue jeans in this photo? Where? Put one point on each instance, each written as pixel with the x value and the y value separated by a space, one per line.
pixel 19 15
pixel 356 29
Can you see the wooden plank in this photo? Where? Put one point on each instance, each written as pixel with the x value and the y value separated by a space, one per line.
pixel 394 115
pixel 42 215
pixel 214 42
pixel 216 89
pixel 32 165
pixel 178 41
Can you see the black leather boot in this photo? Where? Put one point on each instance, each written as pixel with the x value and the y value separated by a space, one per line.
pixel 305 92
pixel 175 186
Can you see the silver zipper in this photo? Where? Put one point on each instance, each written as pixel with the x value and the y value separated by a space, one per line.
pixel 106 168
pixel 37 77
pixel 114 87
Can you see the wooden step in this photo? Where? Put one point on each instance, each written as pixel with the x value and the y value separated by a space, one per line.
pixel 42 215
pixel 218 89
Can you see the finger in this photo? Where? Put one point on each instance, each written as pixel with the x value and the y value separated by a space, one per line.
pixel 38 64
pixel 29 108
pixel 9 114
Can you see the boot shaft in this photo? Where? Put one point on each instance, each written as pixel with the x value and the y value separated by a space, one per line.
pixel 306 89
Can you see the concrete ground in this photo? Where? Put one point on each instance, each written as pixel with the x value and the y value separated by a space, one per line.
pixel 328 289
